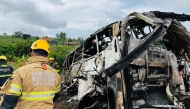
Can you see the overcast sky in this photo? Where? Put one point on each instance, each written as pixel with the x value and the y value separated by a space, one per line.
pixel 78 18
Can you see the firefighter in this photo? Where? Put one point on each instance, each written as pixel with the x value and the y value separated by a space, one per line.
pixel 181 69
pixel 54 64
pixel 34 85
pixel 5 70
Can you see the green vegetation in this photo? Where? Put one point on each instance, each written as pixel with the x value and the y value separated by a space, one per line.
pixel 60 53
pixel 16 47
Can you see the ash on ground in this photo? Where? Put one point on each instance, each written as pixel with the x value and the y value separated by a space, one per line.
pixel 66 101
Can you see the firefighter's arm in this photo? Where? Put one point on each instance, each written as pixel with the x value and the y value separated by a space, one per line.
pixel 11 98
pixel 9 101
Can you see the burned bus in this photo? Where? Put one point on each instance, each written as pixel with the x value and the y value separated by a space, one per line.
pixel 131 64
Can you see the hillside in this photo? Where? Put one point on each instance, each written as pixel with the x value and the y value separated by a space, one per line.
pixel 16 49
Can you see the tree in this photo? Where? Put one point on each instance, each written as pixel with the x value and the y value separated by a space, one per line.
pixel 4 34
pixel 54 41
pixel 37 37
pixel 70 40
pixel 62 37
pixel 57 35
pixel 80 40
pixel 17 34
pixel 26 36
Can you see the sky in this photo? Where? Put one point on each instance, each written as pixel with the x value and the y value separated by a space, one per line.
pixel 77 18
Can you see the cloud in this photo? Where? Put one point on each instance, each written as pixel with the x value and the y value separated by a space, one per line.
pixel 56 2
pixel 78 18
pixel 28 12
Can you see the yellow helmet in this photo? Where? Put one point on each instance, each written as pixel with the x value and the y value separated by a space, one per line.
pixel 41 44
pixel 51 59
pixel 3 58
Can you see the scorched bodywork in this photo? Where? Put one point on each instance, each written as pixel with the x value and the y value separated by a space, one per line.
pixel 131 64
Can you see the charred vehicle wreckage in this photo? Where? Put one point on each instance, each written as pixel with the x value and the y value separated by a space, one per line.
pixel 131 64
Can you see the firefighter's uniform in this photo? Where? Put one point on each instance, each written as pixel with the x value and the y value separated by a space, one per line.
pixel 34 85
pixel 5 70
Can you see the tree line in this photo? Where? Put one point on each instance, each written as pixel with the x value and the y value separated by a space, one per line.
pixel 16 46
pixel 60 39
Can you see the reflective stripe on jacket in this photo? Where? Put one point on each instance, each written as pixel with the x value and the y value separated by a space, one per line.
pixel 32 95
pixel 35 85
pixel 6 75
pixel 58 71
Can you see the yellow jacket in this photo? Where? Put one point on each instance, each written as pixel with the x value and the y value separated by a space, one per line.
pixel 36 84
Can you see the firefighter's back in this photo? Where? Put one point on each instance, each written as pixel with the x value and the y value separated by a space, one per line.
pixel 39 86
